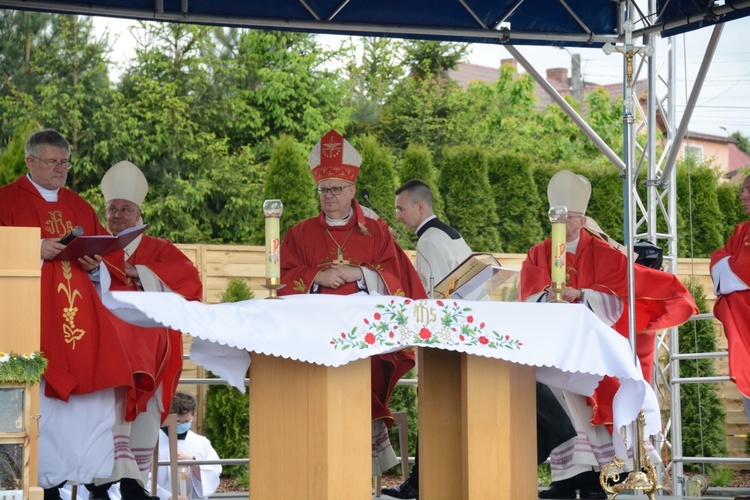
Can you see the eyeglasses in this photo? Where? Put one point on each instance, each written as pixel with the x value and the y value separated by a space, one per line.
pixel 124 211
pixel 335 191
pixel 54 163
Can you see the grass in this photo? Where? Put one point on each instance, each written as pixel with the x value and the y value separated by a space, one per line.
pixel 543 475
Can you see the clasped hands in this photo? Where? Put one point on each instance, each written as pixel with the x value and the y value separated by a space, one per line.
pixel 336 276
pixel 568 295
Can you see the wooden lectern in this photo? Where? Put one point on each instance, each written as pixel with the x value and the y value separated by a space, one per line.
pixel 310 431
pixel 20 277
pixel 310 435
pixel 477 427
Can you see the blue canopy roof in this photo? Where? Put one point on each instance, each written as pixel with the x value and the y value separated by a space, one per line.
pixel 536 22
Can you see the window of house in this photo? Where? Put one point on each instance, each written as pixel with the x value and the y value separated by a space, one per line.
pixel 693 152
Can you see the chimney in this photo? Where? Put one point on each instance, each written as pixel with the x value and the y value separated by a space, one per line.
pixel 559 75
pixel 510 62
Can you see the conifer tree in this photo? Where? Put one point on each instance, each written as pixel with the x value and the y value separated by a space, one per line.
pixel 703 432
pixel 728 195
pixel 698 205
pixel 515 193
pixel 288 179
pixel 469 203
pixel 377 174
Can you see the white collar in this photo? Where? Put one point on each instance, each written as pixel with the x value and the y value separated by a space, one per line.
pixel 433 216
pixel 47 194
pixel 339 222
pixel 572 246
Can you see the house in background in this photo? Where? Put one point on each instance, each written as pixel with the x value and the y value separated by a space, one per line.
pixel 721 151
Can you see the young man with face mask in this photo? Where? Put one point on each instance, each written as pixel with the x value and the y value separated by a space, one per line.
pixel 201 480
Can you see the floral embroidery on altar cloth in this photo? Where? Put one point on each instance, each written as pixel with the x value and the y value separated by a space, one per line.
pixel 420 322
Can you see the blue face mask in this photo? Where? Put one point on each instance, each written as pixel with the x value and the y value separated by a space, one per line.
pixel 183 427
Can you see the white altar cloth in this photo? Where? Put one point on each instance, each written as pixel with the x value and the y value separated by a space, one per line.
pixel 570 347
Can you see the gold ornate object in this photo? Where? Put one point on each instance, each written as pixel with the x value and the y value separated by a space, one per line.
pixel 643 478
pixel 557 288
pixel 273 284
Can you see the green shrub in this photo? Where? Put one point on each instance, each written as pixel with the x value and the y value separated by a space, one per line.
pixel 227 409
pixel 703 432
pixel 404 398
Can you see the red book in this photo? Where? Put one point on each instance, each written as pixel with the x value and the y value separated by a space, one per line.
pixel 99 244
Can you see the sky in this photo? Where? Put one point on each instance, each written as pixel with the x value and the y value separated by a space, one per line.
pixel 722 108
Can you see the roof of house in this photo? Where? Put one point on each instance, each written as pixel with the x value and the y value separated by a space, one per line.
pixel 737 158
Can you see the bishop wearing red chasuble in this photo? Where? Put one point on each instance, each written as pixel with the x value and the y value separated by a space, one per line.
pixel 597 278
pixel 730 270
pixel 341 252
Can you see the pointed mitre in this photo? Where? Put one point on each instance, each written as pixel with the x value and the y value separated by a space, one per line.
pixel 570 190
pixel 124 181
pixel 334 158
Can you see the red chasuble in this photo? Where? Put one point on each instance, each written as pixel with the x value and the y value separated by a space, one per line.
pixel 661 300
pixel 312 246
pixel 79 336
pixel 733 309
pixel 157 357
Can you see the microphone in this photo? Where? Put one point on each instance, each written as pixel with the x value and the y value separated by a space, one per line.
pixel 75 233
pixel 365 194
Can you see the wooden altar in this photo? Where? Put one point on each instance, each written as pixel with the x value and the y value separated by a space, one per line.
pixel 20 276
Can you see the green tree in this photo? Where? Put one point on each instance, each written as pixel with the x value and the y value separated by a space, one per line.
pixel 70 86
pixel 703 432
pixel 431 59
pixel 372 80
pixel 287 77
pixel 288 179
pixel 469 203
pixel 742 142
pixel 227 409
pixel 515 193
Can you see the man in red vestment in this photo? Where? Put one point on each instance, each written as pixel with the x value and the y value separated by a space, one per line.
pixel 730 270
pixel 597 278
pixel 79 336
pixel 152 265
pixel 341 252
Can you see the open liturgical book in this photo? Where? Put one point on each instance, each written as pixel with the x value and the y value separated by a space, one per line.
pixel 479 277
pixel 100 244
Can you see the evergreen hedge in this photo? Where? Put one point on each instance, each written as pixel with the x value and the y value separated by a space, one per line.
pixel 289 179
pixel 417 164
pixel 515 192
pixel 703 418
pixel 469 202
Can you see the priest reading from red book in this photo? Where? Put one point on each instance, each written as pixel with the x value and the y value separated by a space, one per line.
pixel 597 278
pixel 79 336
pixel 342 251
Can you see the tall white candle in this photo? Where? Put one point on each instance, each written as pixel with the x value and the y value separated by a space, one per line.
pixel 273 209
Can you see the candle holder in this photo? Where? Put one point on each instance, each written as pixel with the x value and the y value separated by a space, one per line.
pixel 558 215
pixel 272 209
pixel 273 284
pixel 642 478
